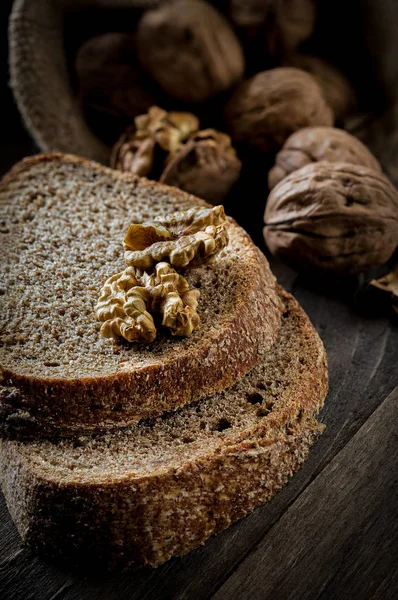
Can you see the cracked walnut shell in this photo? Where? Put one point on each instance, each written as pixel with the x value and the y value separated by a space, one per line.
pixel 193 237
pixel 130 298
pixel 266 109
pixel 189 49
pixel 206 166
pixel 333 216
pixel 154 132
pixel 314 144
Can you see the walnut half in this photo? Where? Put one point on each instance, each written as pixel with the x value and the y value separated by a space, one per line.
pixel 333 216
pixel 130 298
pixel 156 132
pixel 192 237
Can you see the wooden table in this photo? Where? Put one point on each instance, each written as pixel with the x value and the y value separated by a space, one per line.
pixel 332 533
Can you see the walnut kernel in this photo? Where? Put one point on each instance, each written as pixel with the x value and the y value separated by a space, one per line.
pixel 195 238
pixel 156 130
pixel 130 298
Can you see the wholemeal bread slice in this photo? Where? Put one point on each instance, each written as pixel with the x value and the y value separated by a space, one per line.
pixel 63 220
pixel 161 488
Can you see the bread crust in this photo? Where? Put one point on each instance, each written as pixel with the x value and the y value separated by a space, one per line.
pixel 32 405
pixel 120 519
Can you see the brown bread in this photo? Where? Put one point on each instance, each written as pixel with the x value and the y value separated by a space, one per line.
pixel 63 220
pixel 161 488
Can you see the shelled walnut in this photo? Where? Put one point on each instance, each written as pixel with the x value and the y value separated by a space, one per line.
pixel 112 86
pixel 192 237
pixel 189 49
pixel 130 298
pixel 335 87
pixel 154 138
pixel 333 216
pixel 206 166
pixel 168 147
pixel 272 105
pixel 314 144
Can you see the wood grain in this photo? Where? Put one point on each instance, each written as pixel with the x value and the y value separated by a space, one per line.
pixel 340 538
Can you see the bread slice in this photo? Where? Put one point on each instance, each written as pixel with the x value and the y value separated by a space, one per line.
pixel 63 220
pixel 161 488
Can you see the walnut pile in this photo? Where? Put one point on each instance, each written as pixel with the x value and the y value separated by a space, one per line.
pixel 167 146
pixel 156 132
pixel 336 89
pixel 149 286
pixel 207 166
pixel 130 298
pixel 314 144
pixel 266 109
pixel 188 238
pixel 333 216
pixel 189 49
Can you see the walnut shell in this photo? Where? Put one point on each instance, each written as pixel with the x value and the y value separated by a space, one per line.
pixel 314 144
pixel 333 216
pixel 336 88
pixel 207 166
pixel 272 105
pixel 189 49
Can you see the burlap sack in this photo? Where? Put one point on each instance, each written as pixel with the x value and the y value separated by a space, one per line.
pixel 40 75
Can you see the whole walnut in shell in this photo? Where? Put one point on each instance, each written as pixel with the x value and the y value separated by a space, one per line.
pixel 266 109
pixel 113 87
pixel 314 144
pixel 333 216
pixel 189 49
pixel 206 166
pixel 336 88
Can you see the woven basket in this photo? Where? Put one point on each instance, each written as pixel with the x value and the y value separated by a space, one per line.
pixel 41 74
